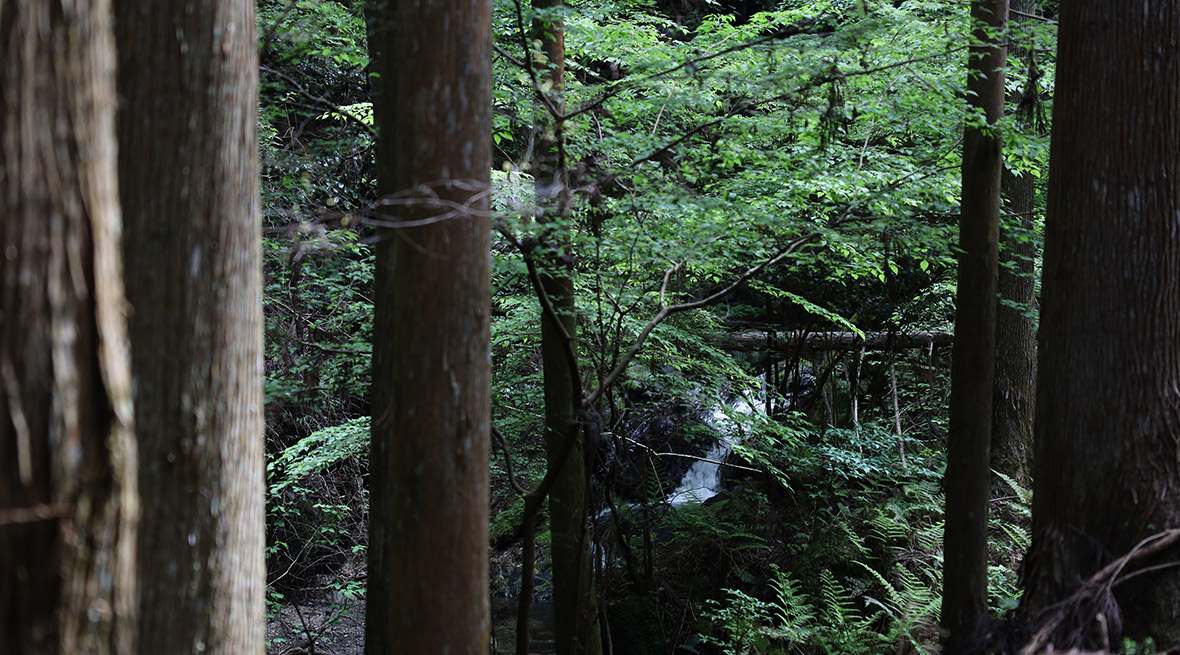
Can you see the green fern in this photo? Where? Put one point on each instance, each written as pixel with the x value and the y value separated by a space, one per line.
pixel 794 612
pixel 1023 496
pixel 888 528
pixel 1019 537
pixel 912 605
pixel 845 630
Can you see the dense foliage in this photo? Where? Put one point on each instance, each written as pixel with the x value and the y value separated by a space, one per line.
pixel 704 138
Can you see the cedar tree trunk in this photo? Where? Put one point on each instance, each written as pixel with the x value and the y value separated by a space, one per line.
pixel 428 550
pixel 575 607
pixel 67 454
pixel 1107 455
pixel 1016 346
pixel 188 178
pixel 964 605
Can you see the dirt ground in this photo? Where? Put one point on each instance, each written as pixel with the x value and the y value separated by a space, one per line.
pixel 336 626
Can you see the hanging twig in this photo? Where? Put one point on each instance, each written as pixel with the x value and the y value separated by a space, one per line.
pixel 854 389
pixel 897 413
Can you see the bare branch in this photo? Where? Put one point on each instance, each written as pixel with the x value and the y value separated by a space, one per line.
pixel 664 287
pixel 508 462
pixel 1092 590
pixel 33 514
pixel 553 110
pixel 658 453
pixel 666 311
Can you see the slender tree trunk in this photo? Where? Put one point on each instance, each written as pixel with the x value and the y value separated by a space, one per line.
pixel 1107 456
pixel 67 454
pixel 575 607
pixel 428 565
pixel 964 605
pixel 1016 346
pixel 188 173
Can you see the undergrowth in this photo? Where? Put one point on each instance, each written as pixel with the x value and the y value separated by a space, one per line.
pixel 863 574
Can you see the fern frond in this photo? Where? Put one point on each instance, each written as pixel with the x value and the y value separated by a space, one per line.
pixel 838 609
pixel 893 600
pixel 888 529
pixel 1023 495
pixel 794 612
pixel 1018 536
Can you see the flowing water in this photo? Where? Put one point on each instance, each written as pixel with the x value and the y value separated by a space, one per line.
pixel 703 479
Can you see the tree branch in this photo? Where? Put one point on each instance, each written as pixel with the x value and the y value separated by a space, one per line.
pixel 664 311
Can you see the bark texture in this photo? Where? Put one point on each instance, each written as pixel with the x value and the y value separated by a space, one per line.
pixel 967 482
pixel 575 606
pixel 67 457
pixel 428 564
pixel 1016 346
pixel 1107 456
pixel 188 172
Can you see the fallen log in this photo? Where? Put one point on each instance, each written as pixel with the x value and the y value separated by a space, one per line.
pixel 821 341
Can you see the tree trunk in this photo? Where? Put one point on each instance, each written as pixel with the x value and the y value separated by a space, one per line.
pixel 575 607
pixel 1016 346
pixel 188 173
pixel 964 605
pixel 1107 459
pixel 67 454
pixel 428 551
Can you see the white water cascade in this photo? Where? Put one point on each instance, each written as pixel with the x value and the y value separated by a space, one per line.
pixel 702 481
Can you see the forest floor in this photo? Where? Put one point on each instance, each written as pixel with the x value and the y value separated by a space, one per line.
pixel 326 626
pixel 317 626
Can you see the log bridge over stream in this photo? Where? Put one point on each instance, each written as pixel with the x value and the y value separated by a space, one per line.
pixel 798 340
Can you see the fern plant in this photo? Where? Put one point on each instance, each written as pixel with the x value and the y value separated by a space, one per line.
pixel 795 615
pixel 911 603
pixel 831 623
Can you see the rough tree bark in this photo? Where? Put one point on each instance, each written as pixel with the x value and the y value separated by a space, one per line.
pixel 188 174
pixel 1016 347
pixel 67 455
pixel 428 565
pixel 967 481
pixel 575 606
pixel 1107 454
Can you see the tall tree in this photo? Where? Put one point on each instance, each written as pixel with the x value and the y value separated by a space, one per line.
pixel 67 455
pixel 964 605
pixel 575 606
pixel 1016 346
pixel 1107 454
pixel 188 174
pixel 428 561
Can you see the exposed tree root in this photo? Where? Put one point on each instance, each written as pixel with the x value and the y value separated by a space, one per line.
pixel 1091 615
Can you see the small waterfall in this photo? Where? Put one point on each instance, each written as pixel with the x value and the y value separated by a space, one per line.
pixel 703 479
